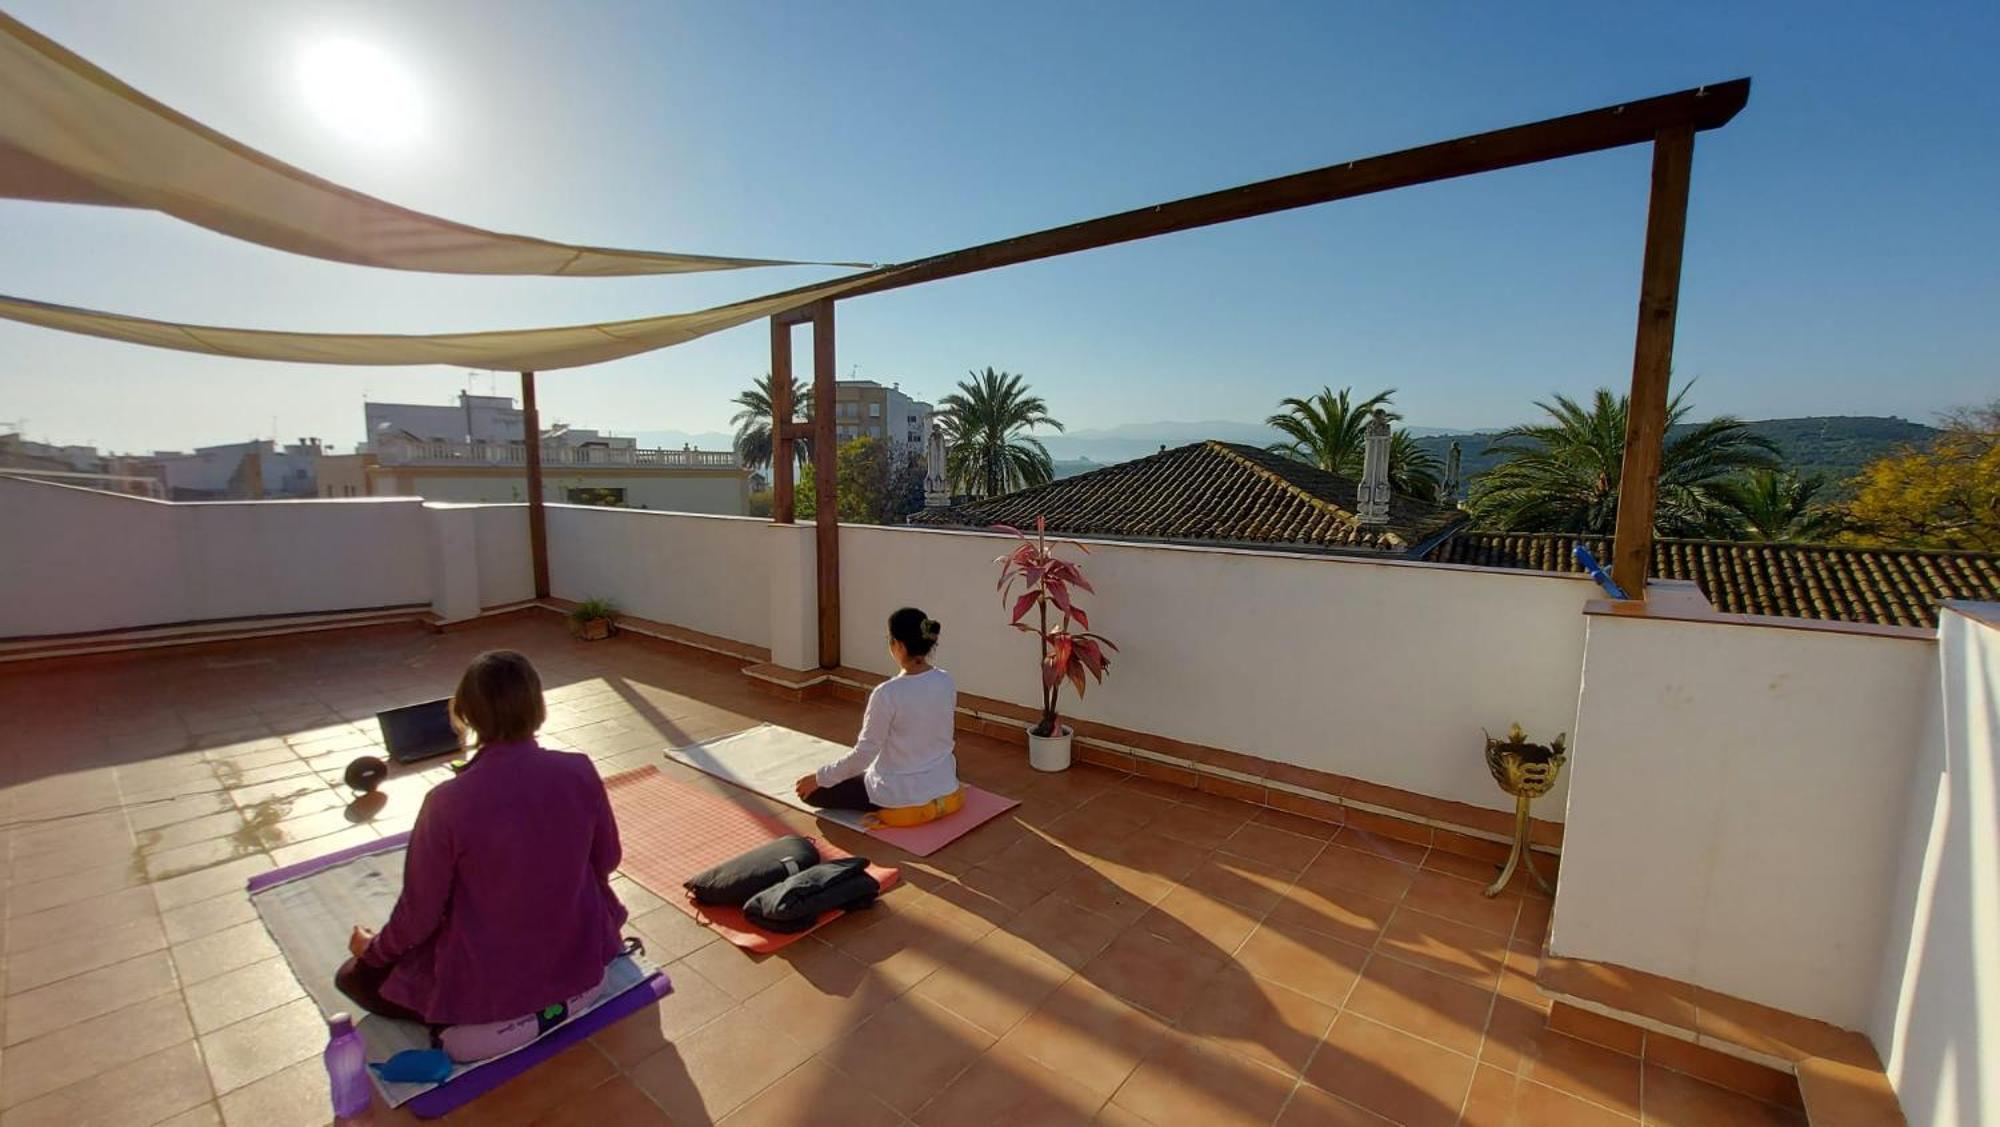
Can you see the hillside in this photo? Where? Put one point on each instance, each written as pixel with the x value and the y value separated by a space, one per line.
pixel 1836 446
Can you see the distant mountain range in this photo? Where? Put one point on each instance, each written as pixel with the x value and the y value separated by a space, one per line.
pixel 1834 445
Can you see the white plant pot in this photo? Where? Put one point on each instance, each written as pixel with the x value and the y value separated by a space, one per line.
pixel 1049 753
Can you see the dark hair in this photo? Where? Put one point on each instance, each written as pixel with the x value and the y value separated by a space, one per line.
pixel 916 630
pixel 499 698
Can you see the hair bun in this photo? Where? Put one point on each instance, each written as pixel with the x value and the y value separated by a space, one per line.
pixel 930 629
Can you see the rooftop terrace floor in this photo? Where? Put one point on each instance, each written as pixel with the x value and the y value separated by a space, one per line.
pixel 1120 951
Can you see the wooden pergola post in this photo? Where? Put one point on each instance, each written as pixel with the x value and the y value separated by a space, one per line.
pixel 783 460
pixel 1652 359
pixel 538 528
pixel 826 507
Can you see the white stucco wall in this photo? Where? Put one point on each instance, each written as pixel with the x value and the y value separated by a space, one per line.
pixel 506 563
pixel 717 494
pixel 1380 671
pixel 79 560
pixel 1736 806
pixel 1937 1013
pixel 706 573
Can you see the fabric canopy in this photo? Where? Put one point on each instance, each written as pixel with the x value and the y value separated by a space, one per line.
pixel 509 350
pixel 71 133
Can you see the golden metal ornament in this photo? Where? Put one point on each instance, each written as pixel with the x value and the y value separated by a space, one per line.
pixel 1526 771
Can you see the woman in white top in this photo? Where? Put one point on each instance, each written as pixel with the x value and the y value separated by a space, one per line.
pixel 903 757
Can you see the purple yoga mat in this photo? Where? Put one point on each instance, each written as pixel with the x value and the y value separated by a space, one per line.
pixel 477 1081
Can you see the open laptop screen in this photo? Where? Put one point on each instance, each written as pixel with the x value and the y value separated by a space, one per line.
pixel 418 731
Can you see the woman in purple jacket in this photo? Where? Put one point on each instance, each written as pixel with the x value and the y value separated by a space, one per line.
pixel 507 904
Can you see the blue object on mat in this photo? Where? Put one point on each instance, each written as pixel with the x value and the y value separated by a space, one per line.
pixel 1597 572
pixel 416 1066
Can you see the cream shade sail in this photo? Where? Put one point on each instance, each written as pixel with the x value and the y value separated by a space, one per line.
pixel 71 133
pixel 509 350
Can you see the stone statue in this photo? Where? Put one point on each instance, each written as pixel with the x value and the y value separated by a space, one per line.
pixel 937 488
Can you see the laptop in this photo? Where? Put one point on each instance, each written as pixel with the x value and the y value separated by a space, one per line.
pixel 418 731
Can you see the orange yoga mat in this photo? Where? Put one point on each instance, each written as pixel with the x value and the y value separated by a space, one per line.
pixel 671 831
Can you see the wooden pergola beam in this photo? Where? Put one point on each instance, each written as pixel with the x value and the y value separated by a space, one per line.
pixel 538 527
pixel 1610 127
pixel 783 462
pixel 826 499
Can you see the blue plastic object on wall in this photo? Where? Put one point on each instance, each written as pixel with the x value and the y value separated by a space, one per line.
pixel 1597 572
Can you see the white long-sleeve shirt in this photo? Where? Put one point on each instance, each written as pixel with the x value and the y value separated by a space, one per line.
pixel 904 753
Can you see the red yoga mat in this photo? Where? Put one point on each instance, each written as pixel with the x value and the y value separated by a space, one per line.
pixel 671 831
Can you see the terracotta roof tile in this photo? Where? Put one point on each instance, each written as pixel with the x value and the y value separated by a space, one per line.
pixel 1886 586
pixel 1208 492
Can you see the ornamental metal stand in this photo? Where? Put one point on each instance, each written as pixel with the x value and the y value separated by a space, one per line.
pixel 1526 771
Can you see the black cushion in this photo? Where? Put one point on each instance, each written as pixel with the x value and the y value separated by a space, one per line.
pixel 798 902
pixel 732 882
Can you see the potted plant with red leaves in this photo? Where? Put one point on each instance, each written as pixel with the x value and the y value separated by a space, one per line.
pixel 1046 607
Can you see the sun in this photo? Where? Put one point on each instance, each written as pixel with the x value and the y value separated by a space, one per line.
pixel 361 92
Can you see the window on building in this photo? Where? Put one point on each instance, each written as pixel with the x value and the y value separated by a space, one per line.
pixel 874 432
pixel 874 410
pixel 594 495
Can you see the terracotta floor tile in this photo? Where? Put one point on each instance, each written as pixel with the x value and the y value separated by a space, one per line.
pixel 1518 1040
pixel 1310 1107
pixel 150 1089
pixel 543 1089
pixel 1842 1095
pixel 1432 1006
pixel 1194 1082
pixel 1115 891
pixel 694 1003
pixel 1463 902
pixel 1127 802
pixel 1156 855
pixel 995 982
pixel 615 1103
pixel 1444 946
pixel 904 951
pixel 1195 920
pixel 207 917
pixel 1356 871
pixel 84 996
pixel 1298 824
pixel 84 917
pixel 1249 884
pixel 718 1068
pixel 201 959
pixel 1158 974
pixel 1674 1100
pixel 1319 966
pixel 811 1093
pixel 1203 828
pixel 292 1097
pixel 908 1052
pixel 259 1046
pixel 669 934
pixel 1608 1032
pixel 1391 1073
pixel 1005 1088
pixel 1034 861
pixel 1354 917
pixel 1518 973
pixel 1480 870
pixel 1500 1099
pixel 1278 848
pixel 90 1048
pixel 1063 931
pixel 1354 836
pixel 740 973
pixel 1533 926
pixel 1088 1035
pixel 1621 988
pixel 1259 1020
pixel 828 997
pixel 241 993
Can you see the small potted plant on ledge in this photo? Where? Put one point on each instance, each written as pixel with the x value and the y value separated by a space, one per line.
pixel 1047 586
pixel 592 620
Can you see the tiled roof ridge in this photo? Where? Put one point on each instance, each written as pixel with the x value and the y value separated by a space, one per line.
pixel 1785 545
pixel 1234 451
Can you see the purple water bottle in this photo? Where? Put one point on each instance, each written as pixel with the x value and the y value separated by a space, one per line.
pixel 347 1068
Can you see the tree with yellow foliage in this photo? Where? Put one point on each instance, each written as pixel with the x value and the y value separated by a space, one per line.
pixel 1947 496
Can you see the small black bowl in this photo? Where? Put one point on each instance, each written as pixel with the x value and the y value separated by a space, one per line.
pixel 365 774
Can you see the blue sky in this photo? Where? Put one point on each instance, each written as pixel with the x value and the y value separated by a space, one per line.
pixel 1841 253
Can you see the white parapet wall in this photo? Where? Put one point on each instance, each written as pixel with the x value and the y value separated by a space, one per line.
pixel 1383 671
pixel 1937 1011
pixel 80 560
pixel 1737 802
pixel 706 573
pixel 506 563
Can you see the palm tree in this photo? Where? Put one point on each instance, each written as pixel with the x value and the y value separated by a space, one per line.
pixel 754 441
pixel 1562 476
pixel 1779 506
pixel 1330 431
pixel 985 426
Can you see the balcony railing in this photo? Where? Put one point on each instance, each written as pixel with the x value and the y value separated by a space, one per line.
pixel 516 454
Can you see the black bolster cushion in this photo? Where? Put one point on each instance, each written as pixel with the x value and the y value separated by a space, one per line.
pixel 732 882
pixel 797 904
